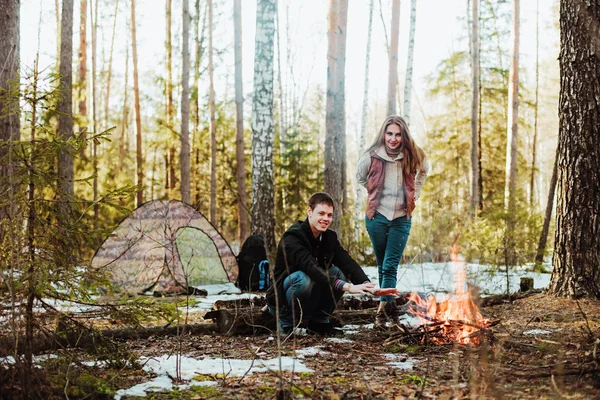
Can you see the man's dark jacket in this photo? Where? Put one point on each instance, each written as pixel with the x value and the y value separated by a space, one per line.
pixel 299 250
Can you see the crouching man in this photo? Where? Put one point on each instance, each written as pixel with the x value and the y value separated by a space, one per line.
pixel 312 271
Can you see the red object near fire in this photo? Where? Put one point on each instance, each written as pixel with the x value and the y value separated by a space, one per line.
pixel 387 292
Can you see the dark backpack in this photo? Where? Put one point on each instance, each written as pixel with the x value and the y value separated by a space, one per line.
pixel 253 265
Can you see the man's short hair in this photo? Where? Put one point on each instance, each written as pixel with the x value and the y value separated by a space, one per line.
pixel 320 198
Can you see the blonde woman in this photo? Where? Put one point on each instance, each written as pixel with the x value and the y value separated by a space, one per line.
pixel 393 170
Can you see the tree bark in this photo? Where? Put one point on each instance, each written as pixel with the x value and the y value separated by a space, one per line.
pixel 185 108
pixel 475 157
pixel 363 124
pixel 83 59
pixel 393 58
pixel 335 136
pixel 240 171
pixel 9 94
pixel 510 189
pixel 138 117
pixel 409 62
pixel 263 219
pixel 211 110
pixel 576 259
pixel 65 109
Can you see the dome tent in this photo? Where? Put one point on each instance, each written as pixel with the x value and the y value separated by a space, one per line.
pixel 166 247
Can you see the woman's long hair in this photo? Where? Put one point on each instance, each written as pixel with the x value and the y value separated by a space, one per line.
pixel 413 154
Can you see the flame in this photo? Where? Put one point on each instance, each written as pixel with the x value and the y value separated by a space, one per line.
pixel 458 316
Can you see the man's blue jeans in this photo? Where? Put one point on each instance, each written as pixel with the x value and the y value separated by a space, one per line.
pixel 307 300
pixel 389 240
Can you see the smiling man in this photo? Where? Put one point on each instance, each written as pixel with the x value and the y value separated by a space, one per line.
pixel 312 271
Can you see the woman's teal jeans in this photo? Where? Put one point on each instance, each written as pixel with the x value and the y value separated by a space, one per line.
pixel 389 240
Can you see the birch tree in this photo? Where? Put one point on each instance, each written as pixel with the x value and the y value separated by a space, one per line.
pixel 410 61
pixel 65 109
pixel 475 51
pixel 138 117
pixel 393 58
pixel 212 127
pixel 576 261
pixel 9 98
pixel 363 124
pixel 263 219
pixel 185 107
pixel 240 171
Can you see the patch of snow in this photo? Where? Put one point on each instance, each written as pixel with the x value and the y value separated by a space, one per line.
pixel 400 361
pixel 537 332
pixel 310 352
pixel 166 366
pixel 222 288
pixel 338 340
pixel 437 278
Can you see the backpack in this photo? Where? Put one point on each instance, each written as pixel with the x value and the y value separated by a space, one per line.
pixel 253 265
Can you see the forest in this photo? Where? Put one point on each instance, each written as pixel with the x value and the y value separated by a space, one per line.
pixel 232 113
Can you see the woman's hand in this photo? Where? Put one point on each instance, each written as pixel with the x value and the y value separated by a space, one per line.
pixel 363 288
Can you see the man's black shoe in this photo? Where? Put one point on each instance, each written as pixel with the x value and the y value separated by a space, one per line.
pixel 324 328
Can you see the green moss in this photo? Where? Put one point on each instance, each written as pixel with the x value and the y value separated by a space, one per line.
pixel 304 390
pixel 340 380
pixel 207 392
pixel 306 375
pixel 203 378
pixel 412 379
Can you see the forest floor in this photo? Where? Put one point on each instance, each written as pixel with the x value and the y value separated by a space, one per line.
pixel 544 347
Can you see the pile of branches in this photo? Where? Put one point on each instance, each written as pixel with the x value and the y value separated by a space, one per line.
pixel 440 332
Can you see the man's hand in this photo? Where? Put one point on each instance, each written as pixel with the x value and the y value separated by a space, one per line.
pixel 363 288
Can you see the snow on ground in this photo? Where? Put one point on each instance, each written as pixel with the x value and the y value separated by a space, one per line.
pixel 438 277
pixel 537 332
pixel 165 367
pixel 400 361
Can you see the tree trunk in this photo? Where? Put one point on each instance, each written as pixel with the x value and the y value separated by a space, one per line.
pixel 335 136
pixel 539 257
pixel 169 82
pixel 9 94
pixel 185 108
pixel 138 117
pixel 94 18
pixel 363 124
pixel 83 59
pixel 393 58
pixel 576 260
pixel 110 62
pixel 124 137
pixel 282 119
pixel 340 104
pixel 409 62
pixel 475 159
pixel 65 109
pixel 510 190
pixel 332 172
pixel 535 113
pixel 240 172
pixel 263 219
pixel 211 110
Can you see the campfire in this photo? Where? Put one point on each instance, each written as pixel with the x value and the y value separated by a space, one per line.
pixel 454 320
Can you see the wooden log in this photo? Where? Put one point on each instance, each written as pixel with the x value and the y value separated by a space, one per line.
pixel 503 298
pixel 87 338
